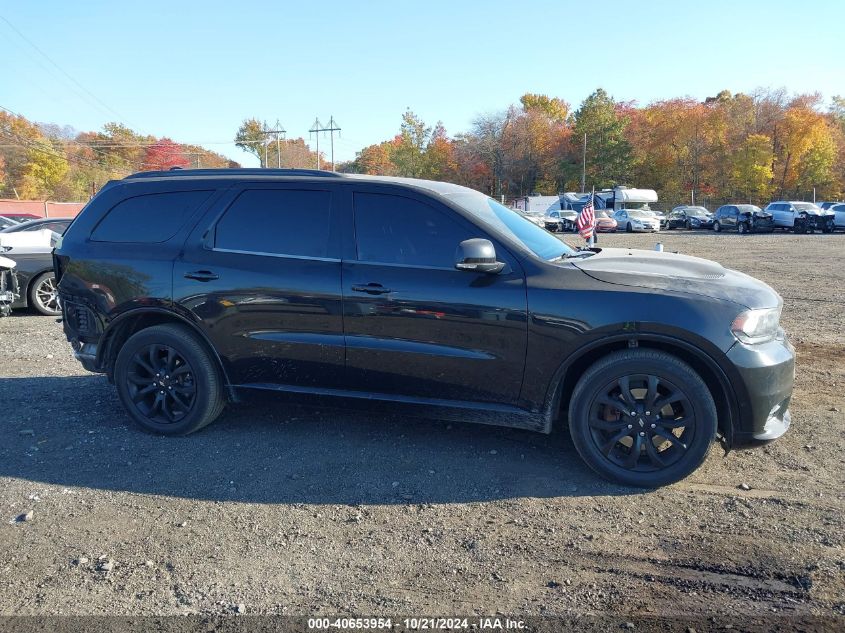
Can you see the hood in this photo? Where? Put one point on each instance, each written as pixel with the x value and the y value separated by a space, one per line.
pixel 670 272
pixel 5 262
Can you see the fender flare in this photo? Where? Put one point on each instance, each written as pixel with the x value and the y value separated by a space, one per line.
pixel 554 391
pixel 103 350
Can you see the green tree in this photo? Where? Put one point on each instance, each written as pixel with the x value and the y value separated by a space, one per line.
pixel 251 138
pixel 609 157
pixel 409 153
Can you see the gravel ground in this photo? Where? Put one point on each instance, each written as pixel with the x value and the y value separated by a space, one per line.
pixel 288 510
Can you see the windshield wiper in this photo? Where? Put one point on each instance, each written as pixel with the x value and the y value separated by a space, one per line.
pixel 576 255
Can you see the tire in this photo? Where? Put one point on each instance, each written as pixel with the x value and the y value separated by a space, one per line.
pixel 670 226
pixel 717 227
pixel 629 228
pixel 606 436
pixel 742 228
pixel 192 398
pixel 688 226
pixel 43 296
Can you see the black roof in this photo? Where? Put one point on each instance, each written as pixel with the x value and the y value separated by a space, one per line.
pixel 243 171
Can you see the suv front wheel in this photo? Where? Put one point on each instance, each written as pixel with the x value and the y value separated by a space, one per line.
pixel 167 380
pixel 642 418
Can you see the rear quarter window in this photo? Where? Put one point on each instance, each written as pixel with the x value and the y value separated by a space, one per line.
pixel 148 218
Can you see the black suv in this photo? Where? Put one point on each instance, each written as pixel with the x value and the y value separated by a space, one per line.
pixel 742 218
pixel 188 286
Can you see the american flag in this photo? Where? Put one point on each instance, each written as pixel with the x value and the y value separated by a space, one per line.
pixel 586 220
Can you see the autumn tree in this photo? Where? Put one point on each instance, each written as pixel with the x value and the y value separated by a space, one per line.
pixel 164 154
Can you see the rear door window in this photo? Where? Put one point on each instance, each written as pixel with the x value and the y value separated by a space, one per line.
pixel 150 218
pixel 282 222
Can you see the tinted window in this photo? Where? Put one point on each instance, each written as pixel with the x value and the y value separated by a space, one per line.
pixel 154 217
pixel 277 221
pixel 396 230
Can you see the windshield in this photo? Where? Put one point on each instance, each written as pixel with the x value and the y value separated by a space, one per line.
pixel 601 213
pixel 697 212
pixel 637 213
pixel 537 240
pixel 805 206
pixel 748 208
pixel 637 205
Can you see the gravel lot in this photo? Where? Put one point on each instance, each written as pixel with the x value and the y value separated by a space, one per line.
pixel 290 510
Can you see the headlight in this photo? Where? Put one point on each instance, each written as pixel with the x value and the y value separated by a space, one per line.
pixel 757 326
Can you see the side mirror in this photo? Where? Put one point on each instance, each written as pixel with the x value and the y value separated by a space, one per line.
pixel 477 255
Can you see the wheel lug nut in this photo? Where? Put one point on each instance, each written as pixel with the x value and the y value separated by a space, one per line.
pixel 648 412
pixel 630 426
pixel 633 413
pixel 654 426
pixel 642 433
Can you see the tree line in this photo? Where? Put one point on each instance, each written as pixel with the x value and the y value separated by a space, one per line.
pixel 742 147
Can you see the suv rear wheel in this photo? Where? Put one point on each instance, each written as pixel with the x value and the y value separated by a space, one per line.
pixel 716 226
pixel 642 418
pixel 168 381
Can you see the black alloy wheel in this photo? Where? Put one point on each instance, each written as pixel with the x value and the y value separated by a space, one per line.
pixel 742 227
pixel 642 418
pixel 168 381
pixel 716 226
pixel 161 384
pixel 629 228
pixel 689 226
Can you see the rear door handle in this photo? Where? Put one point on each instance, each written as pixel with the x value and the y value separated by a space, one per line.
pixel 372 289
pixel 202 275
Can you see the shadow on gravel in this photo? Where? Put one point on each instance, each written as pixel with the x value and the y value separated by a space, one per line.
pixel 72 431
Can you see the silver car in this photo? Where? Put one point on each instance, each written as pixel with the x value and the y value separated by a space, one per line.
pixel 636 220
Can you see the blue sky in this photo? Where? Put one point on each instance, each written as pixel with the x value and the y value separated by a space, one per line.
pixel 194 70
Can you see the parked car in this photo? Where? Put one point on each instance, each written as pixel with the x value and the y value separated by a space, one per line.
pixel 689 218
pixel 19 217
pixel 36 277
pixel 558 221
pixel 743 218
pixel 605 223
pixel 824 206
pixel 186 287
pixel 801 217
pixel 838 211
pixel 636 220
pixel 661 217
pixel 57 225
pixel 5 222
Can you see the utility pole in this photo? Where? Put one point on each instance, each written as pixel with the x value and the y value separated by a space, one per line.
pixel 584 164
pixel 265 132
pixel 317 127
pixel 279 130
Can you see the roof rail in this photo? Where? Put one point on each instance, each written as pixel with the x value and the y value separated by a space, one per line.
pixel 241 171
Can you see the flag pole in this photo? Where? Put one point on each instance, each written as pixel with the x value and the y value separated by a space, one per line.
pixel 591 241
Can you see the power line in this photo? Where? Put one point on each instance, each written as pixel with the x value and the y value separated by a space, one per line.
pixel 61 70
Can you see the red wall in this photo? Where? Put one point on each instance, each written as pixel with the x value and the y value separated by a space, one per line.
pixel 41 208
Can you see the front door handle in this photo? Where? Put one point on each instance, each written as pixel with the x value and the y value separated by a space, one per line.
pixel 372 289
pixel 202 275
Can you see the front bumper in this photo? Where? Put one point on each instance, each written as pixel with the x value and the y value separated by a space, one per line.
pixel 766 373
